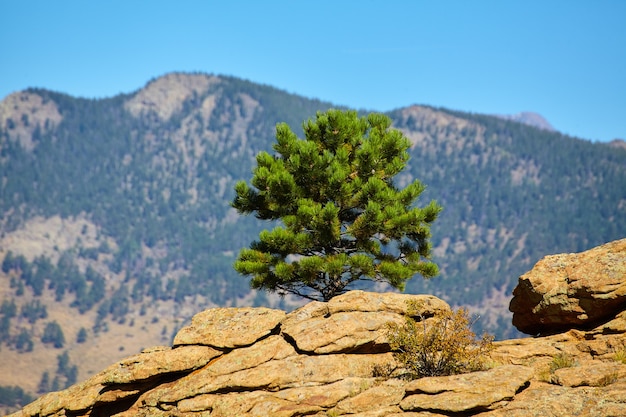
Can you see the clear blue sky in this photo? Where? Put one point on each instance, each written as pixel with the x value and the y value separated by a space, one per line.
pixel 563 59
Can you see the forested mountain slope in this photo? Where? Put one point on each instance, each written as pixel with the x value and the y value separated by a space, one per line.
pixel 512 194
pixel 116 225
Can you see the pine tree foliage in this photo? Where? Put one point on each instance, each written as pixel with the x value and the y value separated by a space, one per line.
pixel 343 218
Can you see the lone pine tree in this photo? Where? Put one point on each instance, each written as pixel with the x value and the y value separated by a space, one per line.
pixel 343 219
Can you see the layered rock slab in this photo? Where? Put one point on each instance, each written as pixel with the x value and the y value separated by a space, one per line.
pixel 467 392
pixel 353 322
pixel 229 327
pixel 542 399
pixel 125 379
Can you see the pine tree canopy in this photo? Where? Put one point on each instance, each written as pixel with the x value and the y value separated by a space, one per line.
pixel 343 219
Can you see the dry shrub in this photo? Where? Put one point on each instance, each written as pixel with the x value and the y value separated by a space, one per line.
pixel 383 370
pixel 441 345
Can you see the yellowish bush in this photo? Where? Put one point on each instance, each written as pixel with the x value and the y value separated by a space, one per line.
pixel 441 345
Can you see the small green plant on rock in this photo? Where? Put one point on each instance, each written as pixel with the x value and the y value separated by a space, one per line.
pixel 562 360
pixel 559 361
pixel 440 345
pixel 620 356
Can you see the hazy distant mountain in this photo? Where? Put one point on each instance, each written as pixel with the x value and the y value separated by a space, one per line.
pixel 115 224
pixel 529 118
pixel 618 143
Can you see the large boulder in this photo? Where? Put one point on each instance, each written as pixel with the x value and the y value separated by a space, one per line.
pixel 567 291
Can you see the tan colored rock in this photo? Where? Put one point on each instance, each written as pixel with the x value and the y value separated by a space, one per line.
pixel 520 351
pixel 381 412
pixel 467 392
pixel 227 328
pixel 542 399
pixel 284 402
pixel 292 372
pixel 591 374
pixel 122 380
pixel 79 397
pixel 335 327
pixel 342 332
pixel 577 290
pixel 272 348
pixel 319 361
pixel 257 403
pixel 602 346
pixel 386 396
pixel 414 414
pixel 578 345
pixel 615 326
pixel 327 395
pixel 150 364
pixel 363 301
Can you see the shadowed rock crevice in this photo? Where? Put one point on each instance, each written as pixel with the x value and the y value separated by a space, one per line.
pixel 293 343
pixel 109 409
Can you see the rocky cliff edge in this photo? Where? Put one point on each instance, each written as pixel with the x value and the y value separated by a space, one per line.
pixel 325 359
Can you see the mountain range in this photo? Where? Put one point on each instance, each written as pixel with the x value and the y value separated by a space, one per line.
pixel 116 225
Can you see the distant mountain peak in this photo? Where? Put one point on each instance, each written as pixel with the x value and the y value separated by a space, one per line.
pixel 23 112
pixel 165 95
pixel 618 143
pixel 529 118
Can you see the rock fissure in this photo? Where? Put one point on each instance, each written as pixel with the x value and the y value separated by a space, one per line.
pixel 117 407
pixel 522 387
pixel 287 338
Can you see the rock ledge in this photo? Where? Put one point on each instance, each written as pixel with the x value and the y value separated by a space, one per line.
pixel 321 360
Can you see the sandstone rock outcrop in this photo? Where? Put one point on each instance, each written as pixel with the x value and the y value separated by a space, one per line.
pixel 576 290
pixel 332 359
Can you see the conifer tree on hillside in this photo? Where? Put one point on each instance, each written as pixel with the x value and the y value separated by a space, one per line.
pixel 343 218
